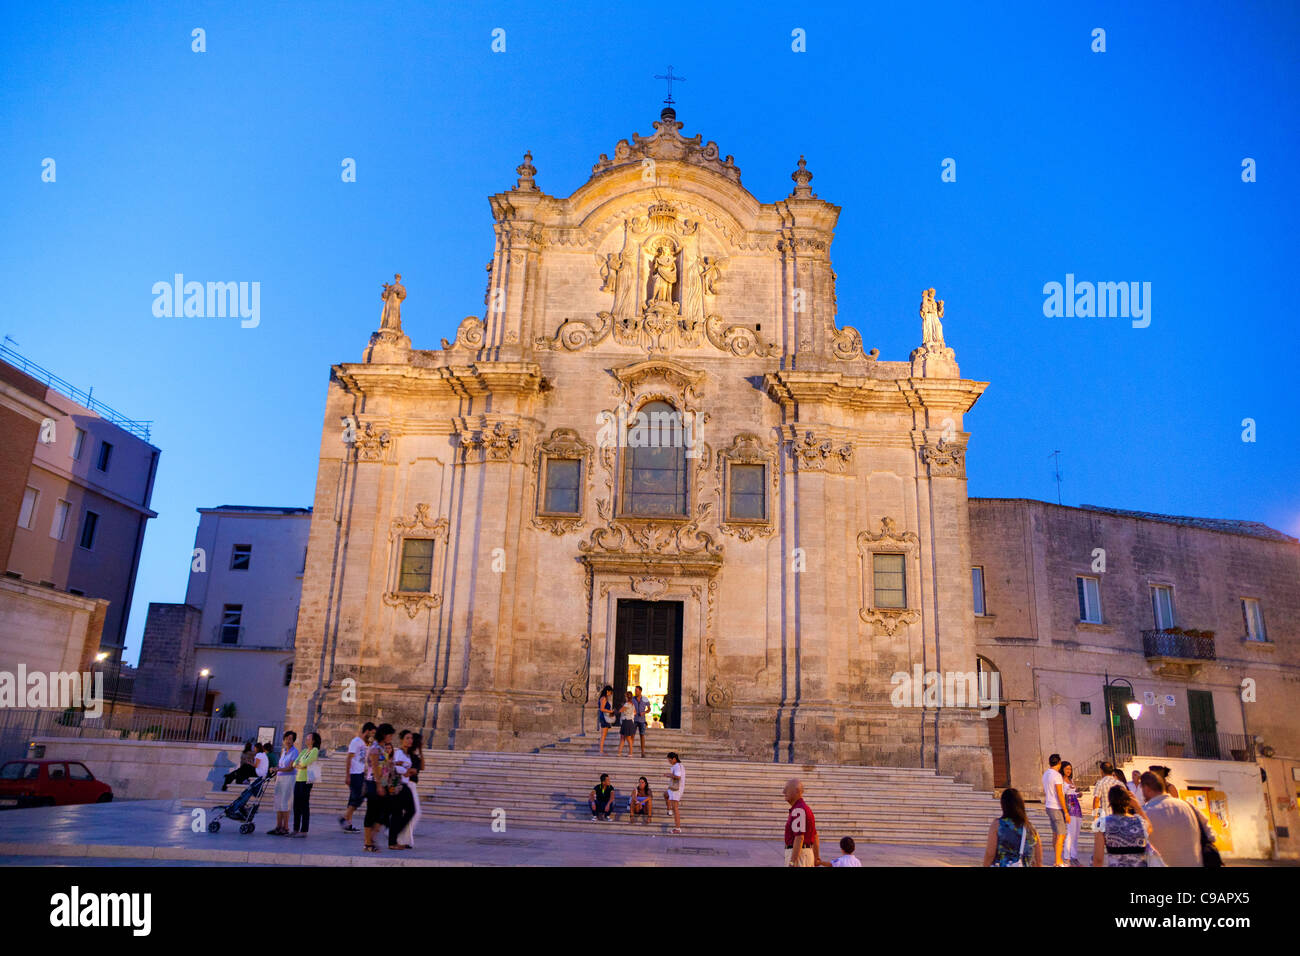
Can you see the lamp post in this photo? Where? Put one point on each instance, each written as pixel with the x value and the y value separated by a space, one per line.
pixel 1133 707
pixel 117 674
pixel 194 698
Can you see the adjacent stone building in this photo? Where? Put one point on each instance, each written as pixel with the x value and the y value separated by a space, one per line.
pixel 656 457
pixel 1195 618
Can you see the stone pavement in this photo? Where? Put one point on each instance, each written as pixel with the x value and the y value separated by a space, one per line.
pixel 154 832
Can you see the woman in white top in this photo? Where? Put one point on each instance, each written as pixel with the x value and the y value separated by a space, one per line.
pixel 403 808
pixel 409 764
pixel 676 787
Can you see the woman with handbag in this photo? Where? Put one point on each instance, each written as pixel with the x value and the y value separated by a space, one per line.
pixel 607 719
pixel 1012 839
pixel 1125 835
pixel 307 773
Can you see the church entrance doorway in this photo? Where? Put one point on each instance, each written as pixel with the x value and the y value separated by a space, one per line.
pixel 648 651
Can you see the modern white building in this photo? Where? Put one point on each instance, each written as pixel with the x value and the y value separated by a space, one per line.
pixel 238 620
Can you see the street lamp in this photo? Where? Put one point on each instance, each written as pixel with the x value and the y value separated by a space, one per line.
pixel 1133 707
pixel 117 676
pixel 194 698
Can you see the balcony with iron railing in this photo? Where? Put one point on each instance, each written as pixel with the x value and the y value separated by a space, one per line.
pixel 237 635
pixel 1177 652
pixel 1179 742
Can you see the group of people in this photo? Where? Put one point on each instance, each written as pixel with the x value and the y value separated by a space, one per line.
pixel 383 770
pixel 802 844
pixel 640 803
pixel 295 772
pixel 1139 823
pixel 630 718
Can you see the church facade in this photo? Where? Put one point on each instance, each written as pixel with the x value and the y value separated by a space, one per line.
pixel 656 458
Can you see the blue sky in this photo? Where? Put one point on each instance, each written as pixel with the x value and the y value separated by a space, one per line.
pixel 225 165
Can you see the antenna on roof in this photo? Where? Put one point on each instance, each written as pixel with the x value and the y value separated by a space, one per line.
pixel 1057 455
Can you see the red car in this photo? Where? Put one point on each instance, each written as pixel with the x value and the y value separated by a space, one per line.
pixel 48 783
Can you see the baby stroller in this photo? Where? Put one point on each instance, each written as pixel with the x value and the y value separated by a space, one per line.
pixel 245 806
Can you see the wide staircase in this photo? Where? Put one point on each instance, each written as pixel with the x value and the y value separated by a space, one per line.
pixel 724 797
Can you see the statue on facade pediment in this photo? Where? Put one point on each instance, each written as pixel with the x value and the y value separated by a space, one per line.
pixel 664 276
pixel 393 294
pixel 931 326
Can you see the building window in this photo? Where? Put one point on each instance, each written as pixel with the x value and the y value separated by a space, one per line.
pixel 1089 600
pixel 1162 606
pixel 105 455
pixel 89 526
pixel 655 473
pixel 416 573
pixel 977 589
pixel 288 673
pixel 746 497
pixel 78 443
pixel 1254 616
pixel 232 622
pixel 563 486
pixel 27 515
pixel 59 526
pixel 240 557
pixel 890 586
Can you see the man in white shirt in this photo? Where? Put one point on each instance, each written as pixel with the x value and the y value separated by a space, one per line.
pixel 357 774
pixel 1054 801
pixel 1175 824
pixel 1135 786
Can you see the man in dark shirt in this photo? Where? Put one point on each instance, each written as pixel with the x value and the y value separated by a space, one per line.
pixel 601 799
pixel 801 847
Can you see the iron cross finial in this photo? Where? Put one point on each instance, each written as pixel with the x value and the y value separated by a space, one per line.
pixel 669 77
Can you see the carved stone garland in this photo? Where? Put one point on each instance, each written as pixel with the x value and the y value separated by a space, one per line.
pixel 420 526
pixel 889 539
pixel 812 452
pixel 486 441
pixel 947 459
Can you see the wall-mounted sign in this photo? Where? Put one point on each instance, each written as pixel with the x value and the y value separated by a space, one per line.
pixel 1149 698
pixel 1169 700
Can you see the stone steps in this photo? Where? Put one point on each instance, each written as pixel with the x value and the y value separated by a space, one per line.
pixel 725 797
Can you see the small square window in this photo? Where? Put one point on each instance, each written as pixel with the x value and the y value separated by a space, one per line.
pixel 746 499
pixel 890 580
pixel 416 573
pixel 240 557
pixel 1085 708
pixel 563 486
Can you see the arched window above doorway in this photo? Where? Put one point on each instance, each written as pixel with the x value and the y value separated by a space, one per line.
pixel 654 470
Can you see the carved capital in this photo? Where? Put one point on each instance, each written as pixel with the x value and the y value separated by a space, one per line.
pixel 495 441
pixel 945 460
pixel 370 445
pixel 813 452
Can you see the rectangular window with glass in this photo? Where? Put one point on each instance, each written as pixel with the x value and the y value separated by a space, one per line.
pixel 78 443
pixel 1089 591
pixel 746 499
pixel 890 585
pixel 27 514
pixel 59 526
pixel 89 526
pixel 416 572
pixel 563 487
pixel 1254 616
pixel 241 556
pixel 1162 606
pixel 977 589
pixel 232 622
pixel 105 455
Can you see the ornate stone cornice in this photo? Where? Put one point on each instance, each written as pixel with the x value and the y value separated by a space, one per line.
pixel 431 382
pixel 865 393
pixel 889 538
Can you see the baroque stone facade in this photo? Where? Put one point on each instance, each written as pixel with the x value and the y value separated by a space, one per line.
pixel 466 577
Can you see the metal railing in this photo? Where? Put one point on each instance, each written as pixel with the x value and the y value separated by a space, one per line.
pixel 84 399
pixel 24 724
pixel 1179 742
pixel 1176 643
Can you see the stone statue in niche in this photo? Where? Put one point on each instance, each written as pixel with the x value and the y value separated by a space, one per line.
pixel 693 294
pixel 664 276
